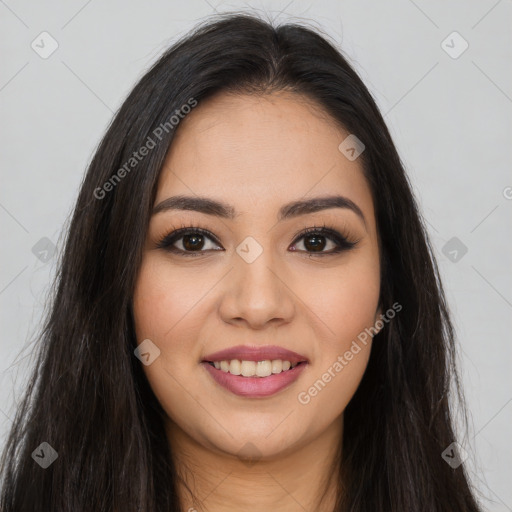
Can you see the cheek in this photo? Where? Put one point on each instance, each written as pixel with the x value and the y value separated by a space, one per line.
pixel 162 303
pixel 166 303
pixel 166 298
pixel 344 298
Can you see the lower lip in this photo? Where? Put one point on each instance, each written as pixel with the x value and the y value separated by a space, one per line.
pixel 255 387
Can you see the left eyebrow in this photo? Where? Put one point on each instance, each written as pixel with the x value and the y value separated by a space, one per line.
pixel 290 210
pixel 302 207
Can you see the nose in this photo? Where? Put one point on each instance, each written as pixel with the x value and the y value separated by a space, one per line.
pixel 257 293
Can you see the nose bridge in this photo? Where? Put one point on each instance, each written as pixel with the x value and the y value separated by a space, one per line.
pixel 256 293
pixel 255 267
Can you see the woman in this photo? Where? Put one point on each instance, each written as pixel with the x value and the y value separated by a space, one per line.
pixel 248 312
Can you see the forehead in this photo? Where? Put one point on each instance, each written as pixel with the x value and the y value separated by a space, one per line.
pixel 259 152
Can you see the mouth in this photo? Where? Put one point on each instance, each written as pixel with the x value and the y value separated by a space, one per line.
pixel 255 372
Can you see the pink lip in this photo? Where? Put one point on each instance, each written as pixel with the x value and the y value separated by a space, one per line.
pixel 254 387
pixel 252 353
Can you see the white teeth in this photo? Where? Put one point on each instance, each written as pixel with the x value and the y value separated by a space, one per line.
pixel 277 366
pixel 263 368
pixel 254 368
pixel 248 368
pixel 235 367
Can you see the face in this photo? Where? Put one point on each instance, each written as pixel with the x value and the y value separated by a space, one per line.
pixel 255 278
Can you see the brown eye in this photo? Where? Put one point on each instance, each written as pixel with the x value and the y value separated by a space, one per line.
pixel 315 240
pixel 314 243
pixel 193 242
pixel 189 242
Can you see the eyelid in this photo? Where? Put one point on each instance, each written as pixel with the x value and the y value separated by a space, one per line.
pixel 328 228
pixel 323 229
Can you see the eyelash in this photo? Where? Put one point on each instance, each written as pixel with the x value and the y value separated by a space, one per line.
pixel 343 244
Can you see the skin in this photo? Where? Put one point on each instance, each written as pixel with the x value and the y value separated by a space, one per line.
pixel 257 153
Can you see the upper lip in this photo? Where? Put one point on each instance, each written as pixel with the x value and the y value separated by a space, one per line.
pixel 254 353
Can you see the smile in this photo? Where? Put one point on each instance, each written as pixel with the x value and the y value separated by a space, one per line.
pixel 254 379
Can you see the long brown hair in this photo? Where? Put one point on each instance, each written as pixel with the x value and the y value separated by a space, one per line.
pixel 88 397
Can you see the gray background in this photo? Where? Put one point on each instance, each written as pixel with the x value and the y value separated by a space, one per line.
pixel 450 118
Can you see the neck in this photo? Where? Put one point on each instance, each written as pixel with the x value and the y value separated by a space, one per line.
pixel 298 480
